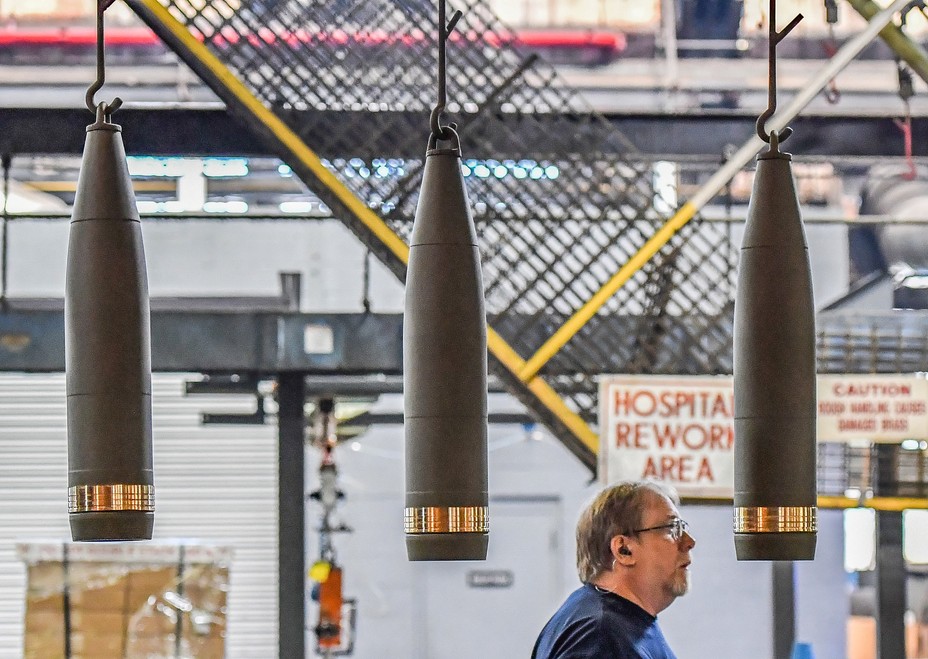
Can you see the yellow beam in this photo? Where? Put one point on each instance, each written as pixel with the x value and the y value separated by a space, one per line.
pixel 543 391
pixel 566 332
pixel 895 504
pixel 498 347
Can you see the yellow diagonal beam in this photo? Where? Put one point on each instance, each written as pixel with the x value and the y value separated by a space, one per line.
pixel 564 333
pixel 708 190
pixel 497 346
pixel 543 391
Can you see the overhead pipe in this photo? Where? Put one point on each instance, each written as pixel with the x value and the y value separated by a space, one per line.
pixel 445 357
pixel 107 341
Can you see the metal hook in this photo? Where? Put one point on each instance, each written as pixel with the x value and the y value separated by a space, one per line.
pixel 439 131
pixel 105 109
pixel 775 38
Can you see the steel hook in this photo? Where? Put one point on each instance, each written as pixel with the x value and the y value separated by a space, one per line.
pixel 775 38
pixel 104 108
pixel 440 132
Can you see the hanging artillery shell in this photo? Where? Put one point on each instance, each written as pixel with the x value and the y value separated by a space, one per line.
pixel 774 341
pixel 445 373
pixel 107 351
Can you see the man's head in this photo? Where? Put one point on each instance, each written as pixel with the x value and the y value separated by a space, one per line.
pixel 631 540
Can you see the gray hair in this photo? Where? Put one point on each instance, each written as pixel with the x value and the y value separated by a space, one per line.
pixel 617 510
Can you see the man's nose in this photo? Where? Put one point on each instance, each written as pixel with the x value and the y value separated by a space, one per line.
pixel 687 541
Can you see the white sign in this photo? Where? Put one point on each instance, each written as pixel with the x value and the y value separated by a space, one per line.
pixel 678 430
pixel 878 408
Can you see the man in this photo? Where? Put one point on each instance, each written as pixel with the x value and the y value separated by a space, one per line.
pixel 633 557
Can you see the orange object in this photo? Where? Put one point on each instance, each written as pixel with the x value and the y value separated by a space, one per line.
pixel 329 629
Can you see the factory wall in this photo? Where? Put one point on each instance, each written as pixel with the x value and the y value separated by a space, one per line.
pixel 429 611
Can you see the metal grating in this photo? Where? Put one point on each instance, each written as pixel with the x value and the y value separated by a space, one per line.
pixel 553 229
pixel 891 342
pixel 864 470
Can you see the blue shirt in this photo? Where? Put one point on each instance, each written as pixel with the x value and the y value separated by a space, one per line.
pixel 596 625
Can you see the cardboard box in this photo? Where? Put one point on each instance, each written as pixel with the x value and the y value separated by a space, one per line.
pixel 154 621
pixel 45 604
pixel 151 646
pixel 149 582
pixel 99 623
pixel 96 645
pixel 44 622
pixel 45 578
pixel 125 601
pixel 45 645
pixel 97 586
pixel 81 646
pixel 206 586
pixel 207 648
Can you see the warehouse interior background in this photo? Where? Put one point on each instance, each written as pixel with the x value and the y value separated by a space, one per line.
pixel 572 161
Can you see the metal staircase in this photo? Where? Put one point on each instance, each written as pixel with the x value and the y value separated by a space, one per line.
pixel 563 205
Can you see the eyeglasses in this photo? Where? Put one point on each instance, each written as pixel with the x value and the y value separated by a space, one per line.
pixel 677 528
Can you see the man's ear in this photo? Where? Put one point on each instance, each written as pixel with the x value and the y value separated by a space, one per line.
pixel 621 552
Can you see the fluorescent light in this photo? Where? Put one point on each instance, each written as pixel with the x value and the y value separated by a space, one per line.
pixel 225 167
pixel 296 206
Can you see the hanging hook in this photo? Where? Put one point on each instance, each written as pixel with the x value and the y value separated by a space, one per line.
pixel 830 46
pixel 440 132
pixel 775 38
pixel 102 109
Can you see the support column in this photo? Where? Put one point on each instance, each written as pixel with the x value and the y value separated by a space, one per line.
pixel 784 608
pixel 890 573
pixel 890 586
pixel 291 530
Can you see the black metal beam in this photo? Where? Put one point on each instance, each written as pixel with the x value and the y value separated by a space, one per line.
pixel 168 131
pixel 214 131
pixel 890 572
pixel 230 336
pixel 890 586
pixel 291 525
pixel 228 340
pixel 784 608
pixel 367 385
pixel 396 418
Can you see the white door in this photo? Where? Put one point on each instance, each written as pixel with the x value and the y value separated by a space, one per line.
pixel 493 609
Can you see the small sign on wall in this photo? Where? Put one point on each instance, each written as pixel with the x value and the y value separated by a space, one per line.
pixel 878 408
pixel 490 578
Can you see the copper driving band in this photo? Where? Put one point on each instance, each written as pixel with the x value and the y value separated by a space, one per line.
pixel 454 519
pixel 778 519
pixel 111 498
